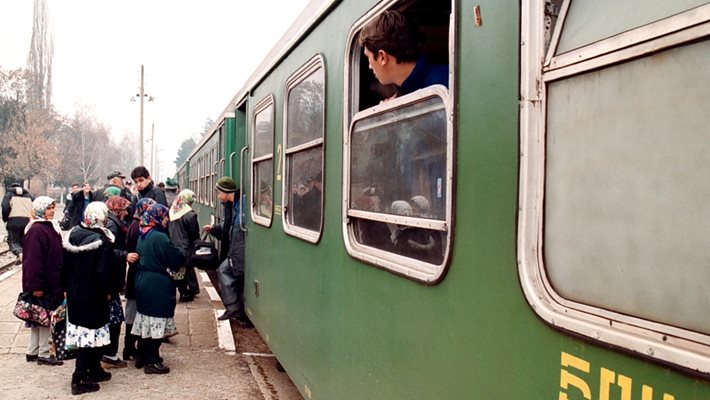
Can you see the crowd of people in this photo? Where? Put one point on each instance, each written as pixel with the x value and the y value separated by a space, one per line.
pixel 117 242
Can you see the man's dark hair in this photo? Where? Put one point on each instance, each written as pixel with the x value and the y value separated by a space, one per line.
pixel 390 31
pixel 75 184
pixel 140 172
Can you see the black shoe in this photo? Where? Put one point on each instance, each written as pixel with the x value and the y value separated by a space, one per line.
pixel 186 298
pixel 229 315
pixel 99 376
pixel 139 362
pixel 111 363
pixel 158 368
pixel 83 386
pixel 31 357
pixel 51 361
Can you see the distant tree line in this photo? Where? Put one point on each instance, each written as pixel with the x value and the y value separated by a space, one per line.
pixel 189 144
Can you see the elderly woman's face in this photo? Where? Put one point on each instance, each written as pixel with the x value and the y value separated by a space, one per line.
pixel 49 214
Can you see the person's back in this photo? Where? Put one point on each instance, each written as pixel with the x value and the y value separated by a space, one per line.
pixel 16 211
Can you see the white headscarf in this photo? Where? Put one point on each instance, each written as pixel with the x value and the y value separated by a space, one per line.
pixel 95 217
pixel 39 213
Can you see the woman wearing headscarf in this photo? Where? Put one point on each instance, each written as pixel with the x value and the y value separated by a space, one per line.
pixel 86 279
pixel 41 264
pixel 155 288
pixel 184 230
pixel 118 210
pixel 131 342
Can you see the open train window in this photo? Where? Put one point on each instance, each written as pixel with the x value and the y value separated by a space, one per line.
pixel 399 152
pixel 304 128
pixel 613 229
pixel 262 162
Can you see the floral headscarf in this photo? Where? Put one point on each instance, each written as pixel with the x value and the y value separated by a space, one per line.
pixel 141 206
pixel 118 206
pixel 181 204
pixel 40 206
pixel 39 213
pixel 152 218
pixel 95 218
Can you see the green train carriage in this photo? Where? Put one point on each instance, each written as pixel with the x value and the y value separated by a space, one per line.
pixel 564 169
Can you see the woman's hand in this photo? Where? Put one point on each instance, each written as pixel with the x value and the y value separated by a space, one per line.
pixel 132 257
pixel 38 293
pixel 207 228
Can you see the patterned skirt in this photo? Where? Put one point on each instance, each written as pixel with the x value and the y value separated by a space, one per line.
pixel 80 337
pixel 153 327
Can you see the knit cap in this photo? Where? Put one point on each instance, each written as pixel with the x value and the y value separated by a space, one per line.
pixel 226 184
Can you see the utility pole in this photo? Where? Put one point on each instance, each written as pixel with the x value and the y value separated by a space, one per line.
pixel 152 146
pixel 141 94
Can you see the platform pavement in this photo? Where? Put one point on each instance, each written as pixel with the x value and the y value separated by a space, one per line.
pixel 201 357
pixel 196 321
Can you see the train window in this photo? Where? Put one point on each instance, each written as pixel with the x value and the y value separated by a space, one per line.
pixel 618 249
pixel 303 135
pixel 262 183
pixel 399 154
pixel 399 191
pixel 430 20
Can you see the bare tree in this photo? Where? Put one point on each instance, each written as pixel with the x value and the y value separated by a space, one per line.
pixel 33 145
pixel 39 59
pixel 13 88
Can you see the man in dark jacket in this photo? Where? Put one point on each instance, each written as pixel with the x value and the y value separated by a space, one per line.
pixel 79 201
pixel 145 186
pixel 231 271
pixel 16 211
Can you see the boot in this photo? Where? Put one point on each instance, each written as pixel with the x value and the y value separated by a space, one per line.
pixel 80 384
pixel 129 344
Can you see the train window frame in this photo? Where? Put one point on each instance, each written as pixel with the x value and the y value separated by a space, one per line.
pixel 540 66
pixel 264 104
pixel 419 271
pixel 311 67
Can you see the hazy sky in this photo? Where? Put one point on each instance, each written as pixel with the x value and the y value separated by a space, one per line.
pixel 196 56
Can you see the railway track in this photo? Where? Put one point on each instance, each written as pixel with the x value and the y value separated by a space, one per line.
pixel 7 259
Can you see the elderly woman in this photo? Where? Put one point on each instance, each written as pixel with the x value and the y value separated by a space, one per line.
pixel 155 288
pixel 40 272
pixel 131 342
pixel 86 278
pixel 184 230
pixel 118 210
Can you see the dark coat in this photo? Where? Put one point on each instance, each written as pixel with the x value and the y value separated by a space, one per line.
pixel 155 288
pixel 118 269
pixel 76 208
pixel 152 192
pixel 86 276
pixel 183 233
pixel 42 261
pixel 131 244
pixel 232 237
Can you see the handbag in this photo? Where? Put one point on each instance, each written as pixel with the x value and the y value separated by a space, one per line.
pixel 204 254
pixel 58 335
pixel 33 309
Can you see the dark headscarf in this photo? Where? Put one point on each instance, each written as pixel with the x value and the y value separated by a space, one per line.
pixel 152 218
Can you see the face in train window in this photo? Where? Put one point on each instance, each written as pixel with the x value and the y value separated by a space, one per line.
pixel 398 180
pixel 305 127
pixel 263 162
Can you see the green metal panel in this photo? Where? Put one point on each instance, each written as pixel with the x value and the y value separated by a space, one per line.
pixel 347 330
